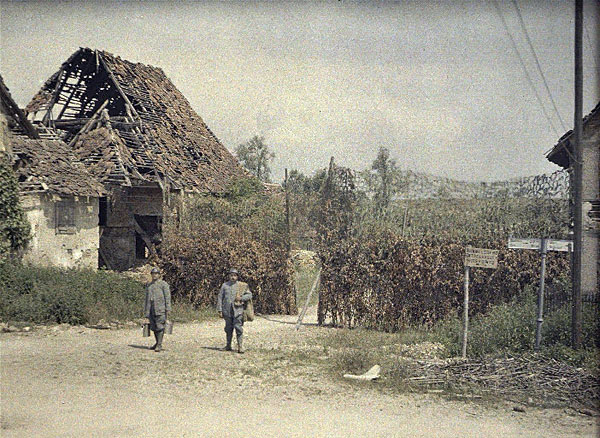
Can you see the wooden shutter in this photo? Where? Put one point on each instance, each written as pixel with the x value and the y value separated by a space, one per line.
pixel 65 216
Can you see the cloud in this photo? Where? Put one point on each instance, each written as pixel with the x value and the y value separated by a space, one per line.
pixel 437 83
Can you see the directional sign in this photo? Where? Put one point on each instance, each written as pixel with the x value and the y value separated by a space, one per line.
pixel 559 245
pixel 481 258
pixel 551 244
pixel 515 243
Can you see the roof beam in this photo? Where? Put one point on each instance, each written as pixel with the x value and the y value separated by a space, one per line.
pixel 20 115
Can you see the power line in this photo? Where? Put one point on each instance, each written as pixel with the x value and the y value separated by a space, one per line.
pixel 516 49
pixel 537 63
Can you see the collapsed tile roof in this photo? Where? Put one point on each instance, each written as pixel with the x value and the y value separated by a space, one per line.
pixel 42 162
pixel 130 125
pixel 14 115
pixel 50 166
pixel 562 152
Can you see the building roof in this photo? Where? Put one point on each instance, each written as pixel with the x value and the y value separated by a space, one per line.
pixel 562 152
pixel 51 166
pixel 14 115
pixel 130 125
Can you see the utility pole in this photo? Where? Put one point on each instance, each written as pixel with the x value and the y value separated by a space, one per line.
pixel 577 179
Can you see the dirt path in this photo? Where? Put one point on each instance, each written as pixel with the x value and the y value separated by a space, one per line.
pixel 81 382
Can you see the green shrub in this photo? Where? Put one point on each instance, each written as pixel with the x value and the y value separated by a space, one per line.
pixel 15 231
pixel 509 328
pixel 54 295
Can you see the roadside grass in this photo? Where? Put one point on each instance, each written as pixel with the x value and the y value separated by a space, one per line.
pixel 185 312
pixel 50 295
pixel 506 330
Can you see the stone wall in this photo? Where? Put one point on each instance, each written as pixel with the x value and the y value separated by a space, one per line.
pixel 50 247
pixel 118 237
pixel 591 187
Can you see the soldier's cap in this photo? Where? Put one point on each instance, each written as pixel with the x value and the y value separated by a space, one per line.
pixel 155 270
pixel 233 271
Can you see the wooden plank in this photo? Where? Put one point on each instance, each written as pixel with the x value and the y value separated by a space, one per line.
pixel 559 245
pixel 517 243
pixel 312 289
pixel 144 236
pixel 25 123
pixel 481 257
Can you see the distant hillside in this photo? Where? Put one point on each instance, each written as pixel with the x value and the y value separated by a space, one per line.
pixel 416 185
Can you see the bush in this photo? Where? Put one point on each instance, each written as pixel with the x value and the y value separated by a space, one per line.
pixel 54 295
pixel 15 231
pixel 387 283
pixel 216 234
pixel 509 328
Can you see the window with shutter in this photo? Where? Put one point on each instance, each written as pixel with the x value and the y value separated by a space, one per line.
pixel 65 216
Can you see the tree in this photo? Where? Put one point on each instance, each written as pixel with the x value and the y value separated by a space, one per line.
pixel 383 181
pixel 256 156
pixel 299 183
pixel 14 228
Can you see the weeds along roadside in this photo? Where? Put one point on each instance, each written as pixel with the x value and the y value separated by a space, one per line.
pixel 49 295
pixel 419 359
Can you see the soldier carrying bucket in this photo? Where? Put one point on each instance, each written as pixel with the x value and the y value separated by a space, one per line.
pixel 157 307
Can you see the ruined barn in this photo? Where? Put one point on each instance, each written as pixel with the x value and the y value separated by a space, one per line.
pixel 140 138
pixel 59 196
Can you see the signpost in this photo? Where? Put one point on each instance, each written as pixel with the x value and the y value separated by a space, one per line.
pixel 475 258
pixel 543 246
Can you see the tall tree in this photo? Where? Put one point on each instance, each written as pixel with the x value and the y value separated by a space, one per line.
pixel 384 171
pixel 256 156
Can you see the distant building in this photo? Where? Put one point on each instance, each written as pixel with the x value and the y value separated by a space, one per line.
pixel 562 154
pixel 137 137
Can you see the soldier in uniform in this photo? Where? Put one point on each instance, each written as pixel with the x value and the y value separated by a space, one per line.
pixel 233 296
pixel 157 307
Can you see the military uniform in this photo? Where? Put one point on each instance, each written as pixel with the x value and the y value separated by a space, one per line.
pixel 231 301
pixel 157 305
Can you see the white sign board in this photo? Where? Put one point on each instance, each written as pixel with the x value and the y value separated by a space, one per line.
pixel 481 258
pixel 551 244
pixel 515 243
pixel 559 245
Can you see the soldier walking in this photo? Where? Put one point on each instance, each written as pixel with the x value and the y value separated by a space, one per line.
pixel 233 296
pixel 157 307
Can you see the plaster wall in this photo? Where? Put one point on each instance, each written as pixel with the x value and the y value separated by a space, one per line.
pixel 48 246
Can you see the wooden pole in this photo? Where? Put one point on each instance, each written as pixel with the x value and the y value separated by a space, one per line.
pixel 312 289
pixel 578 178
pixel 465 314
pixel 540 302
pixel 404 221
pixel 287 212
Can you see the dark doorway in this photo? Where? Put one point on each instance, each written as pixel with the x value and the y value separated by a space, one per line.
pixel 103 211
pixel 151 226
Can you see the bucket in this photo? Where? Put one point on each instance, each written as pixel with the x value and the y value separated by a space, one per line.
pixel 169 328
pixel 146 330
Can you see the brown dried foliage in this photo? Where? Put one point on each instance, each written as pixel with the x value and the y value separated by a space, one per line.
pixel 380 280
pixel 197 254
pixel 388 283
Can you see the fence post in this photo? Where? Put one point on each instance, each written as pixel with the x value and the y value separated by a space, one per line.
pixel 465 314
pixel 540 300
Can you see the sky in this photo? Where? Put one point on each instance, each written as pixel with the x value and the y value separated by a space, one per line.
pixel 437 83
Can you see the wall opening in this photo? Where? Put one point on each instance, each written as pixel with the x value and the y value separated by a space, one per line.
pixel 103 211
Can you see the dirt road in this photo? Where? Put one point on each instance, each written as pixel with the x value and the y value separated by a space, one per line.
pixel 79 382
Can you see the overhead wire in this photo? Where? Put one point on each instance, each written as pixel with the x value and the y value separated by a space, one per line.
pixel 537 63
pixel 516 49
